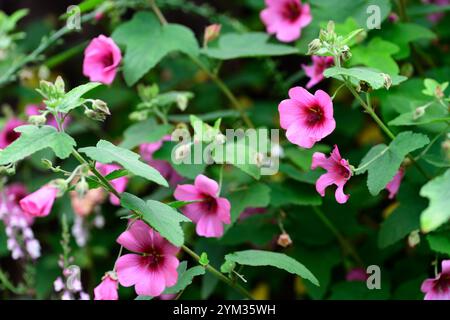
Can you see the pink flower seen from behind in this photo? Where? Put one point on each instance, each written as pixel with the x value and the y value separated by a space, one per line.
pixel 120 184
pixel 307 118
pixel 286 18
pixel 154 266
pixel 7 133
pixel 210 212
pixel 394 184
pixel 439 287
pixel 338 173
pixel 101 59
pixel 315 71
pixel 40 202
pixel 107 289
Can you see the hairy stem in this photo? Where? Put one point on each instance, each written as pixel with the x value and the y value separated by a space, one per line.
pixel 347 246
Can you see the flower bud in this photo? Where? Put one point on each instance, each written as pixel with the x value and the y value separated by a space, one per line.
pixel 314 46
pixel 211 32
pixel 182 101
pixel 364 86
pixel 138 116
pixel 414 238
pixel 330 26
pixel 94 115
pixel 387 80
pixel 345 53
pixel 37 120
pixel 47 164
pixel 284 240
pixel 59 85
pixel 101 106
pixel 419 112
pixel 82 188
pixel 61 185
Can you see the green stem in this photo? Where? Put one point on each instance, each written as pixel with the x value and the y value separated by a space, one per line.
pixel 219 275
pixel 214 77
pixel 348 248
pixel 8 285
pixel 371 161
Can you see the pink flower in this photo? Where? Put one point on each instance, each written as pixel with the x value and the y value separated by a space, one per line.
pixel 147 150
pixel 356 274
pixel 286 18
pixel 32 110
pixel 155 268
pixel 40 202
pixel 394 184
pixel 7 134
pixel 315 71
pixel 211 212
pixel 119 184
pixel 338 173
pixel 101 59
pixel 307 118
pixel 86 205
pixel 107 289
pixel 438 288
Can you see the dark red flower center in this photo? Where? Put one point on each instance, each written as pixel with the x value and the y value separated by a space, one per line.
pixel 11 136
pixel 291 11
pixel 209 204
pixel 108 59
pixel 314 115
pixel 154 258
pixel 442 283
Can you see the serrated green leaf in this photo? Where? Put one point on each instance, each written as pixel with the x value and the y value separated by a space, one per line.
pixel 438 192
pixel 34 139
pixel 245 45
pixel 72 99
pixel 256 195
pixel 144 132
pixel 440 242
pixel 106 152
pixel 382 162
pixel 267 258
pixel 159 216
pixel 147 43
pixel 373 77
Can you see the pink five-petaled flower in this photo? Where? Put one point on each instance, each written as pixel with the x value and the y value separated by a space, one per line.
pixel 438 288
pixel 286 18
pixel 154 268
pixel 7 134
pixel 101 59
pixel 107 289
pixel 307 118
pixel 40 202
pixel 394 184
pixel 210 212
pixel 120 184
pixel 315 71
pixel 338 173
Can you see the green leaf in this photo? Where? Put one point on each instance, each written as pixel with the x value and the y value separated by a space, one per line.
pixel 438 192
pixel 257 195
pixel 106 152
pixel 434 113
pixel 402 34
pixel 34 139
pixel 159 216
pixel 404 219
pixel 203 131
pixel 440 242
pixel 246 45
pixel 382 162
pixel 274 259
pixel 204 261
pixel 377 54
pixel 72 99
pixel 294 194
pixel 239 154
pixel 144 132
pixel 145 49
pixel 373 77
